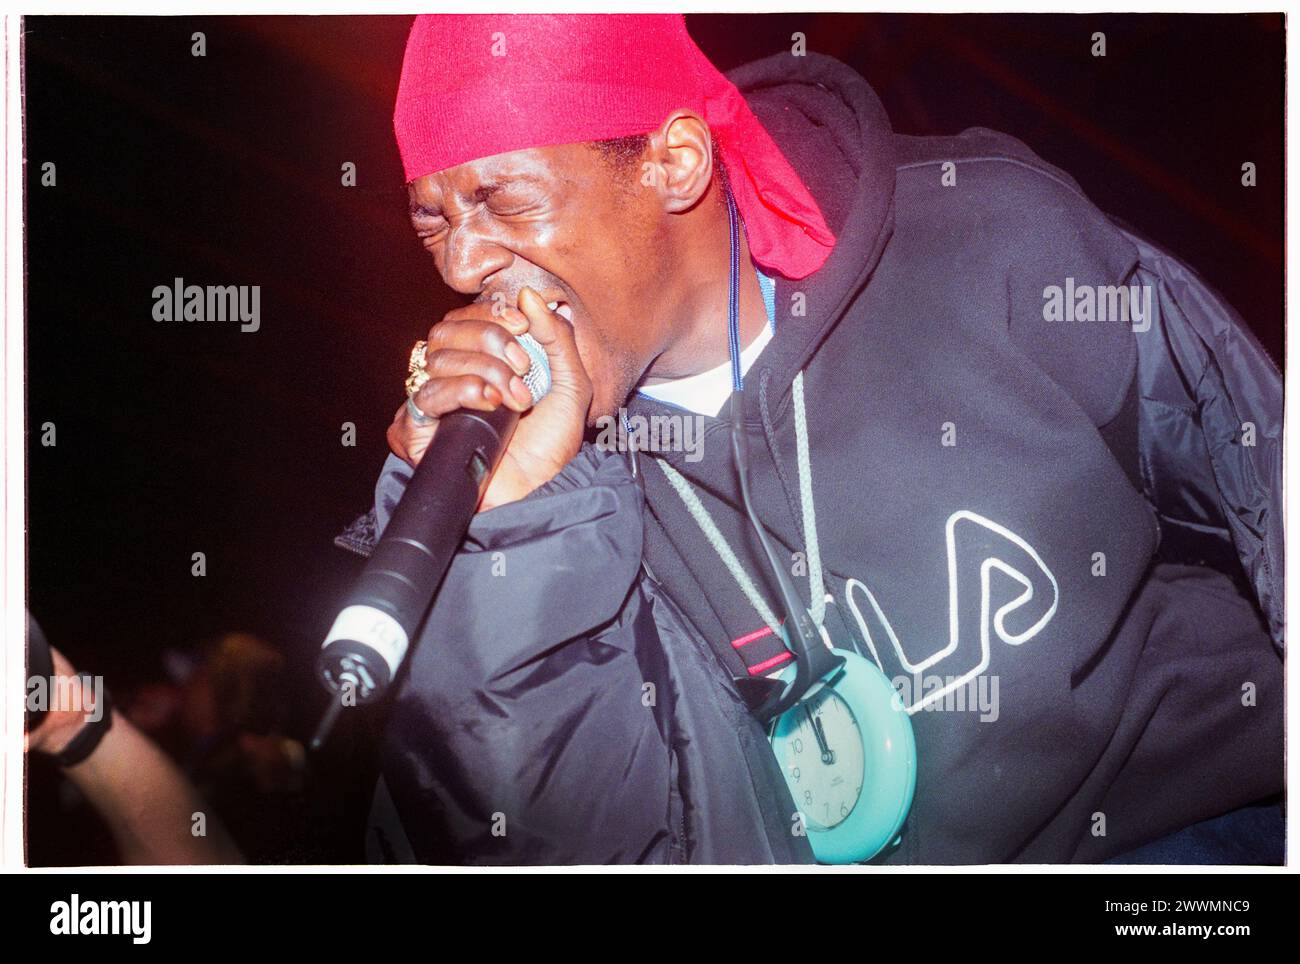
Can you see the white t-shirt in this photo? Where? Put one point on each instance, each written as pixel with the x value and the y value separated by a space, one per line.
pixel 707 392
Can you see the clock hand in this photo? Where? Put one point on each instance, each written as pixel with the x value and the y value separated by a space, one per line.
pixel 828 755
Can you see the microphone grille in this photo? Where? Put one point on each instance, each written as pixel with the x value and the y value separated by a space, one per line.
pixel 538 376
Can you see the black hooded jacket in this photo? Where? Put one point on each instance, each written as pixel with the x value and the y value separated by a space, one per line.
pixel 976 430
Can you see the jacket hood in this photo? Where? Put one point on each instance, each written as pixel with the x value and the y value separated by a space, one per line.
pixel 834 131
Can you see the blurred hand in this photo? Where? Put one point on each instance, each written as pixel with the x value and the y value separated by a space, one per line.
pixel 62 723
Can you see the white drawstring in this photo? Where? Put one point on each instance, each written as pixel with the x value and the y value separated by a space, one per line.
pixel 700 514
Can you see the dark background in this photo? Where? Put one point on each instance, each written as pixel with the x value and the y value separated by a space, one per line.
pixel 174 438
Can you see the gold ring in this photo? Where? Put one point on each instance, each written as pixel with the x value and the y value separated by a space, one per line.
pixel 415 373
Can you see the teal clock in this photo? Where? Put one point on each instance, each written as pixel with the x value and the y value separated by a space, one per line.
pixel 849 758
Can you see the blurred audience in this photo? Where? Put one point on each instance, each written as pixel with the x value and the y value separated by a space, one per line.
pixel 208 739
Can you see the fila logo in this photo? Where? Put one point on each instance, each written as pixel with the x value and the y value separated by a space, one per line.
pixel 977 547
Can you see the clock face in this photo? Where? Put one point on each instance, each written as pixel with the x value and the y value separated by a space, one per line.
pixel 820 749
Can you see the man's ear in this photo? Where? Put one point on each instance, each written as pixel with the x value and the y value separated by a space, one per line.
pixel 679 161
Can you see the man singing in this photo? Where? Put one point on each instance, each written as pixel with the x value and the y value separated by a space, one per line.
pixel 1020 459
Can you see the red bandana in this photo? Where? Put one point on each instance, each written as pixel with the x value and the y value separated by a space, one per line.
pixel 477 85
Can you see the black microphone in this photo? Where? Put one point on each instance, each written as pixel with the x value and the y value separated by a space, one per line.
pixel 372 632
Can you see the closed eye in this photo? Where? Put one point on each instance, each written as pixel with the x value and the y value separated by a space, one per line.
pixel 426 221
pixel 517 197
pixel 430 233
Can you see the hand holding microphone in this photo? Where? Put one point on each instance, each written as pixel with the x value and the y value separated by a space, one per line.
pixel 487 366
pixel 475 363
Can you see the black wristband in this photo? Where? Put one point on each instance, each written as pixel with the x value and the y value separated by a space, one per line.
pixel 88 737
